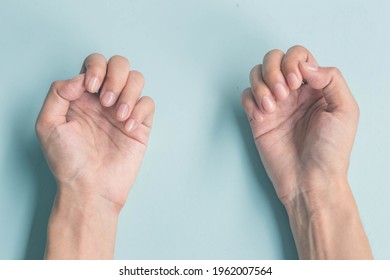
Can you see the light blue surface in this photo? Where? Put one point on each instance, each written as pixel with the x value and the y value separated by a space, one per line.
pixel 202 192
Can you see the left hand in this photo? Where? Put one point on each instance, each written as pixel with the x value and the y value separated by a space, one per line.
pixel 304 133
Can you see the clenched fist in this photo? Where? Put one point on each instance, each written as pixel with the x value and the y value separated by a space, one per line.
pixel 304 131
pixel 304 119
pixel 94 131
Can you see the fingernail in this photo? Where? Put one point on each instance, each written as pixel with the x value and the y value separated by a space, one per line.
pixel 293 81
pixel 280 91
pixel 268 104
pixel 130 125
pixel 311 67
pixel 108 99
pixel 92 85
pixel 122 111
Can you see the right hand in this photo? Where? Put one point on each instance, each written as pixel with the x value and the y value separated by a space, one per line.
pixel 304 133
pixel 95 144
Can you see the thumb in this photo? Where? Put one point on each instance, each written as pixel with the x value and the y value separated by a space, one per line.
pixel 330 80
pixel 56 104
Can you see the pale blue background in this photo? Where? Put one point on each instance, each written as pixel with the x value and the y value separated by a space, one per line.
pixel 202 192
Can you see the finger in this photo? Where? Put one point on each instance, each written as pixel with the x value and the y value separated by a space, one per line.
pixel 332 83
pixel 94 67
pixel 260 91
pixel 129 95
pixel 273 76
pixel 56 104
pixel 142 114
pixel 115 81
pixel 290 63
pixel 248 102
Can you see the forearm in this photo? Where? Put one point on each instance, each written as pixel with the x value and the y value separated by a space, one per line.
pixel 326 225
pixel 81 228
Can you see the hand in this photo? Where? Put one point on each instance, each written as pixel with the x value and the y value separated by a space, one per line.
pixel 95 144
pixel 304 132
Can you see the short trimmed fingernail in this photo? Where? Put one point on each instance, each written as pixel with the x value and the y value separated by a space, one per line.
pixel 280 91
pixel 122 111
pixel 130 125
pixel 268 104
pixel 92 85
pixel 108 99
pixel 293 80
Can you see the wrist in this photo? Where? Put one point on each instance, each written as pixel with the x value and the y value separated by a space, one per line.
pixel 319 201
pixel 325 221
pixel 91 195
pixel 81 227
pixel 83 206
pixel 316 193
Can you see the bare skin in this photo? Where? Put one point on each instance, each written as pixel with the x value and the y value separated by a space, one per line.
pixel 304 134
pixel 94 145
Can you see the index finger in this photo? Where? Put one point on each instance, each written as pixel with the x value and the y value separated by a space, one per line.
pixel 290 65
pixel 95 68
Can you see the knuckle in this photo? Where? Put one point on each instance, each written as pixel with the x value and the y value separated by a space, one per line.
pixel 91 59
pixel 297 48
pixel 95 55
pixel 150 102
pixel 245 98
pixel 55 85
pixel 335 75
pixel 254 73
pixel 138 78
pixel 357 110
pixel 245 103
pixel 272 53
pixel 39 127
pixel 120 58
pixel 148 99
pixel 335 72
